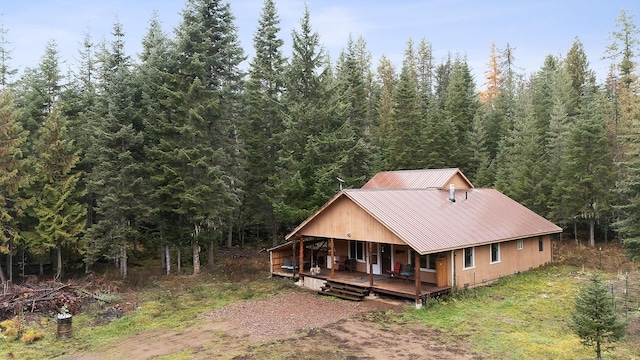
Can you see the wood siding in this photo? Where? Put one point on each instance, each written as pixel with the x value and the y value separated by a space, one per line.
pixel 512 261
pixel 459 182
pixel 345 220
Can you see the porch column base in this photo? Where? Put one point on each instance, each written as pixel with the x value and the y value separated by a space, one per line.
pixel 372 295
pixel 300 282
pixel 418 304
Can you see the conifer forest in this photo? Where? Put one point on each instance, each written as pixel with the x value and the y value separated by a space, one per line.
pixel 191 145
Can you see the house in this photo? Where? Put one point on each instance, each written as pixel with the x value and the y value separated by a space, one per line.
pixel 441 238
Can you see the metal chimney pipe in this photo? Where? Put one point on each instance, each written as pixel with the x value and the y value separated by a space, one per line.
pixel 452 193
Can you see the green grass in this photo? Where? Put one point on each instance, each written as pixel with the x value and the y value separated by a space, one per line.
pixel 171 304
pixel 520 317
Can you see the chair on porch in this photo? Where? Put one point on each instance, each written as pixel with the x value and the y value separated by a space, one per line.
pixel 396 270
pixel 409 270
pixel 341 263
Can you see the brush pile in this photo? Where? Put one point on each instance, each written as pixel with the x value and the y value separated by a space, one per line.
pixel 41 297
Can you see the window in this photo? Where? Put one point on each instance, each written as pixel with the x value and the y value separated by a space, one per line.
pixel 356 250
pixel 540 244
pixel 468 258
pixel 495 253
pixel 520 244
pixel 428 262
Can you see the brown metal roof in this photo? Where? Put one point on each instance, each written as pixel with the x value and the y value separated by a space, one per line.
pixel 414 179
pixel 429 222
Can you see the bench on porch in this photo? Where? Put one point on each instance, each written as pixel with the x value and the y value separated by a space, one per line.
pixel 289 264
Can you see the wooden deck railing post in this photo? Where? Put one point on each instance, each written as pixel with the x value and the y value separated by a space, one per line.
pixel 417 274
pixel 333 254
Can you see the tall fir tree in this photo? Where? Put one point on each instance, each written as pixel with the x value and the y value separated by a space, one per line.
pixel 460 108
pixel 117 176
pixel 60 214
pixel 405 148
pixel 209 86
pixel 14 176
pixel 6 71
pixel 264 113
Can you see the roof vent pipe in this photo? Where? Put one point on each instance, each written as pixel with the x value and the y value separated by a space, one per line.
pixel 452 193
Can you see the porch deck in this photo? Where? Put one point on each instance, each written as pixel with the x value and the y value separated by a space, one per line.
pixel 382 284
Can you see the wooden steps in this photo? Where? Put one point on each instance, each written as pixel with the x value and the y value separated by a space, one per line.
pixel 344 291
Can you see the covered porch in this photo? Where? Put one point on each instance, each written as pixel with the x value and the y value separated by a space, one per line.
pixel 367 270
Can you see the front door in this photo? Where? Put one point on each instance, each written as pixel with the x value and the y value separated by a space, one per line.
pixel 385 257
pixel 375 259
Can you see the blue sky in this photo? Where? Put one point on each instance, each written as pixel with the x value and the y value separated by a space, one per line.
pixel 466 27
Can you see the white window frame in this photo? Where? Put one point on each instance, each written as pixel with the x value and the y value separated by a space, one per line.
pixel 464 258
pixel 520 244
pixel 492 261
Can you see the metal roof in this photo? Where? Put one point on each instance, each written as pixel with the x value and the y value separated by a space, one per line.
pixel 429 222
pixel 414 179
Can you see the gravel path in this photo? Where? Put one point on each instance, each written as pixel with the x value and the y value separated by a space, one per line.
pixel 284 314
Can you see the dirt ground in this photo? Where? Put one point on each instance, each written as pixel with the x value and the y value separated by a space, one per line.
pixel 298 325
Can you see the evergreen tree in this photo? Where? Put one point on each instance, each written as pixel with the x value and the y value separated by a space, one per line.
pixel 209 85
pixel 493 77
pixel 161 129
pixel 117 175
pixel 59 213
pixel 595 319
pixel 14 175
pixel 460 108
pixel 297 189
pixel 586 173
pixel 6 72
pixel 263 128
pixel 387 82
pixel 405 133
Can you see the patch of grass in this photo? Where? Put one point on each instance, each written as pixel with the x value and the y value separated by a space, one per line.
pixel 520 317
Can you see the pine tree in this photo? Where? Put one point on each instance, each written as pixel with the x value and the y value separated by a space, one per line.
pixel 595 319
pixel 263 129
pixel 14 174
pixel 387 82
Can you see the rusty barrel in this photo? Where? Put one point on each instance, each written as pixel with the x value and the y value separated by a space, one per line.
pixel 64 325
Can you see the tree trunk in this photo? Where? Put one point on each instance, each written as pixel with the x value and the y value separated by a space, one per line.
pixel 2 277
pixel 10 260
pixel 575 231
pixel 210 254
pixel 230 233
pixel 59 261
pixel 196 257
pixel 123 262
pixel 592 235
pixel 274 230
pixel 598 351
pixel 41 268
pixel 167 257
pixel 179 266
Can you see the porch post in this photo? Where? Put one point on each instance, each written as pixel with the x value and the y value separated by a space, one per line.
pixel 370 264
pixel 333 254
pixel 301 260
pixel 418 275
pixel 293 257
